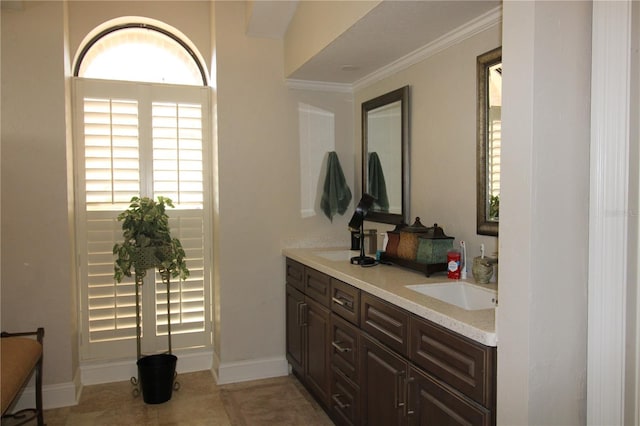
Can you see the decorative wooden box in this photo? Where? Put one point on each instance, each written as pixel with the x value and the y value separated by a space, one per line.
pixel 418 247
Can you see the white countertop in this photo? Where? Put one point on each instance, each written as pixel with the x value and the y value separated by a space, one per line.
pixel 388 282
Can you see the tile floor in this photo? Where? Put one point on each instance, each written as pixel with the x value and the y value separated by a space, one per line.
pixel 199 401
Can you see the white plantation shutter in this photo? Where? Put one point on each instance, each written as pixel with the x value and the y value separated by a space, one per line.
pixel 112 171
pixel 112 306
pixel 187 297
pixel 136 139
pixel 177 152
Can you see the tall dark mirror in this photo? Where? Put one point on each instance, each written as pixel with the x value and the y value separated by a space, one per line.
pixel 385 156
pixel 489 135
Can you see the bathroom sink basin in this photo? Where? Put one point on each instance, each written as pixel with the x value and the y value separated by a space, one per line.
pixel 337 255
pixel 464 295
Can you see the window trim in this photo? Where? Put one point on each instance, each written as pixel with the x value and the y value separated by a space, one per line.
pixel 97 37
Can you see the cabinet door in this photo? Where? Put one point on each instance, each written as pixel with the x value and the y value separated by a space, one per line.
pixel 382 384
pixel 296 330
pixel 318 368
pixel 434 404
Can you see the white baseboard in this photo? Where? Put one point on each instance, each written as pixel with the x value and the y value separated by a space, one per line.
pixel 53 396
pixel 242 371
pixel 68 394
pixel 97 373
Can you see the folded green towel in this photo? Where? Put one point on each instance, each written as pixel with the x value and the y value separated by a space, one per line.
pixel 377 183
pixel 336 194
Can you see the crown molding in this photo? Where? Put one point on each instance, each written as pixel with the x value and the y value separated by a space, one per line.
pixel 458 35
pixel 319 86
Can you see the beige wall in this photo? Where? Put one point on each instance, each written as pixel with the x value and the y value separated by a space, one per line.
pixel 443 137
pixel 259 213
pixel 38 280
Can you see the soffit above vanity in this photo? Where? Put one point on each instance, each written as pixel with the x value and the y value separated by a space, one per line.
pixel 391 31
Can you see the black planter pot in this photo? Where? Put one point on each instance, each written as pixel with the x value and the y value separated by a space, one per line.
pixel 156 374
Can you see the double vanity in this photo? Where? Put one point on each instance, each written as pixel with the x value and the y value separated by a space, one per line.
pixel 384 345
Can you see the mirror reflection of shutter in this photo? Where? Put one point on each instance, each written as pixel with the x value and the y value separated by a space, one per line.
pixel 495 140
pixel 111 178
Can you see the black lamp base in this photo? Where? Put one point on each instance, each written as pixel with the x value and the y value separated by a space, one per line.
pixel 362 260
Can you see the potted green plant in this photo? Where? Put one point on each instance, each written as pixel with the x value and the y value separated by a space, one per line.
pixel 148 244
pixel 147 241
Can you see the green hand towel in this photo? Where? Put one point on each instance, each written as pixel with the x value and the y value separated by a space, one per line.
pixel 336 194
pixel 377 183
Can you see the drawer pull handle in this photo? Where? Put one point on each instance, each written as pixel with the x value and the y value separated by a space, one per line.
pixel 397 402
pixel 346 303
pixel 340 302
pixel 336 399
pixel 340 348
pixel 302 317
pixel 408 411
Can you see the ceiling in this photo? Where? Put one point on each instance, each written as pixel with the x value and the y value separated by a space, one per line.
pixel 392 30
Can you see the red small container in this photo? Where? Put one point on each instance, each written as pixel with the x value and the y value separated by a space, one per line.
pixel 453 265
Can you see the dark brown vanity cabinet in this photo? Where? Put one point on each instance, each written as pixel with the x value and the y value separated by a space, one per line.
pixel 432 402
pixel 345 301
pixel 345 353
pixel 295 330
pixel 370 362
pixel 384 383
pixel 385 322
pixel 317 365
pixel 308 328
pixel 463 364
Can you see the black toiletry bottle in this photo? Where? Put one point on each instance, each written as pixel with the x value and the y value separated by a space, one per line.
pixel 355 240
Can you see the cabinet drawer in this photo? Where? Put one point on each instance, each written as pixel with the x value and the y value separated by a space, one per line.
pixel 344 401
pixel 295 274
pixel 344 347
pixel 465 365
pixel 432 403
pixel 345 301
pixel 318 286
pixel 386 322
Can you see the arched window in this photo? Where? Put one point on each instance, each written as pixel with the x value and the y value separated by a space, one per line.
pixel 142 127
pixel 140 52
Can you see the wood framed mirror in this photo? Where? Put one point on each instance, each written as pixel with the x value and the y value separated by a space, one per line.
pixel 489 131
pixel 385 156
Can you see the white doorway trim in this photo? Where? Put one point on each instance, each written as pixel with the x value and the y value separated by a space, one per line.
pixel 608 212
